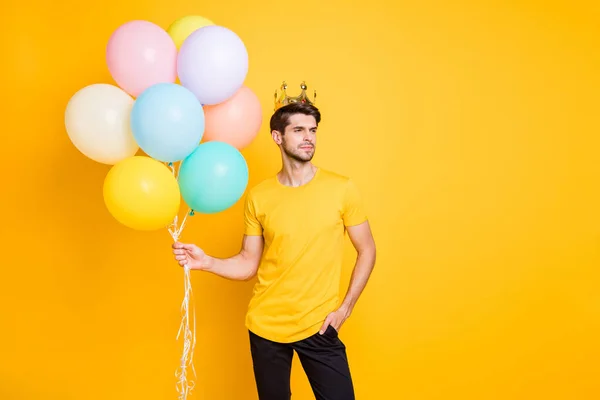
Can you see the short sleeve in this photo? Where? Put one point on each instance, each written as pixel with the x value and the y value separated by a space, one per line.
pixel 251 222
pixel 353 211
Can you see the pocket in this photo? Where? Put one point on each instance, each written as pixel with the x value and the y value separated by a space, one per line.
pixel 331 332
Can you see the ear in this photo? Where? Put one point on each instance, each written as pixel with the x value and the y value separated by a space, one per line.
pixel 276 135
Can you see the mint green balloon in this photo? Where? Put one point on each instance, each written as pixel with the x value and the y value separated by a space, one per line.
pixel 213 178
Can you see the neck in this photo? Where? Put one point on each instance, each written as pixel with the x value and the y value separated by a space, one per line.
pixel 296 173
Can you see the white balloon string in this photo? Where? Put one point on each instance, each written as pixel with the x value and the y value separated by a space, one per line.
pixel 173 170
pixel 188 314
pixel 174 230
pixel 178 169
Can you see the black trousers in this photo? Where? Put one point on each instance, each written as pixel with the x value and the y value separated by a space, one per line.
pixel 323 358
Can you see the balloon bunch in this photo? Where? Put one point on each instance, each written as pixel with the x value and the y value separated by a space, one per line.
pixel 180 98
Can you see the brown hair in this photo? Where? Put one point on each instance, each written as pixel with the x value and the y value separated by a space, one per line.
pixel 281 118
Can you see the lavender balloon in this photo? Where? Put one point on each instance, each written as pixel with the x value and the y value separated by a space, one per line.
pixel 212 63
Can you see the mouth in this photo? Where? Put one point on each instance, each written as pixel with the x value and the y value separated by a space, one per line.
pixel 307 147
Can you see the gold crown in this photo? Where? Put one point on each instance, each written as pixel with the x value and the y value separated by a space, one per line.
pixel 284 99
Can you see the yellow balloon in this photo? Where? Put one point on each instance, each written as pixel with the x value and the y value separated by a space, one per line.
pixel 142 193
pixel 184 26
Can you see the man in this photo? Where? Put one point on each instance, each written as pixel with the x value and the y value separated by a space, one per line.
pixel 295 224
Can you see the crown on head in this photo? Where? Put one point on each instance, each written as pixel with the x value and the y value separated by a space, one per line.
pixel 283 98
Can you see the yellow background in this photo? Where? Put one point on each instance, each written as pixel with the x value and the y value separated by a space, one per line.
pixel 472 129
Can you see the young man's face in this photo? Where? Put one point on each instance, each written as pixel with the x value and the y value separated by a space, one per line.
pixel 300 137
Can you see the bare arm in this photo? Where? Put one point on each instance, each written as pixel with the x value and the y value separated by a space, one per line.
pixel 363 242
pixel 242 266
pixel 362 239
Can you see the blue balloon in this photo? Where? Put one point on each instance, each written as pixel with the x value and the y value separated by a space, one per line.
pixel 213 178
pixel 167 122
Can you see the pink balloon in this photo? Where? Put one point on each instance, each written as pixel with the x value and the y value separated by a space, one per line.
pixel 140 54
pixel 236 121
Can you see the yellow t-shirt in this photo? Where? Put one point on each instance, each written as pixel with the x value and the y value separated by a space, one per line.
pixel 299 274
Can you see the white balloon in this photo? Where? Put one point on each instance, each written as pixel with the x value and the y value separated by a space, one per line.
pixel 97 122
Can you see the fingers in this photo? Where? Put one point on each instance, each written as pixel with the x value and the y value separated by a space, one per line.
pixel 184 246
pixel 181 251
pixel 325 324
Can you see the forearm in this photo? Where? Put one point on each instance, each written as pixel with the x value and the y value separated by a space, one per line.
pixel 365 263
pixel 238 268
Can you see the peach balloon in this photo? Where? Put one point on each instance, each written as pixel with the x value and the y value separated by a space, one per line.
pixel 236 121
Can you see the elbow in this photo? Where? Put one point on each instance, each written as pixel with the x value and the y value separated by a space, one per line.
pixel 250 274
pixel 369 252
pixel 249 266
pixel 248 277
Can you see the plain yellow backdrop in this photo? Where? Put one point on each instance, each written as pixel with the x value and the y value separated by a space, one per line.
pixel 472 129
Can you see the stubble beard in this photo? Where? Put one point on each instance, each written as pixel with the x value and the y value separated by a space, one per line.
pixel 298 154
